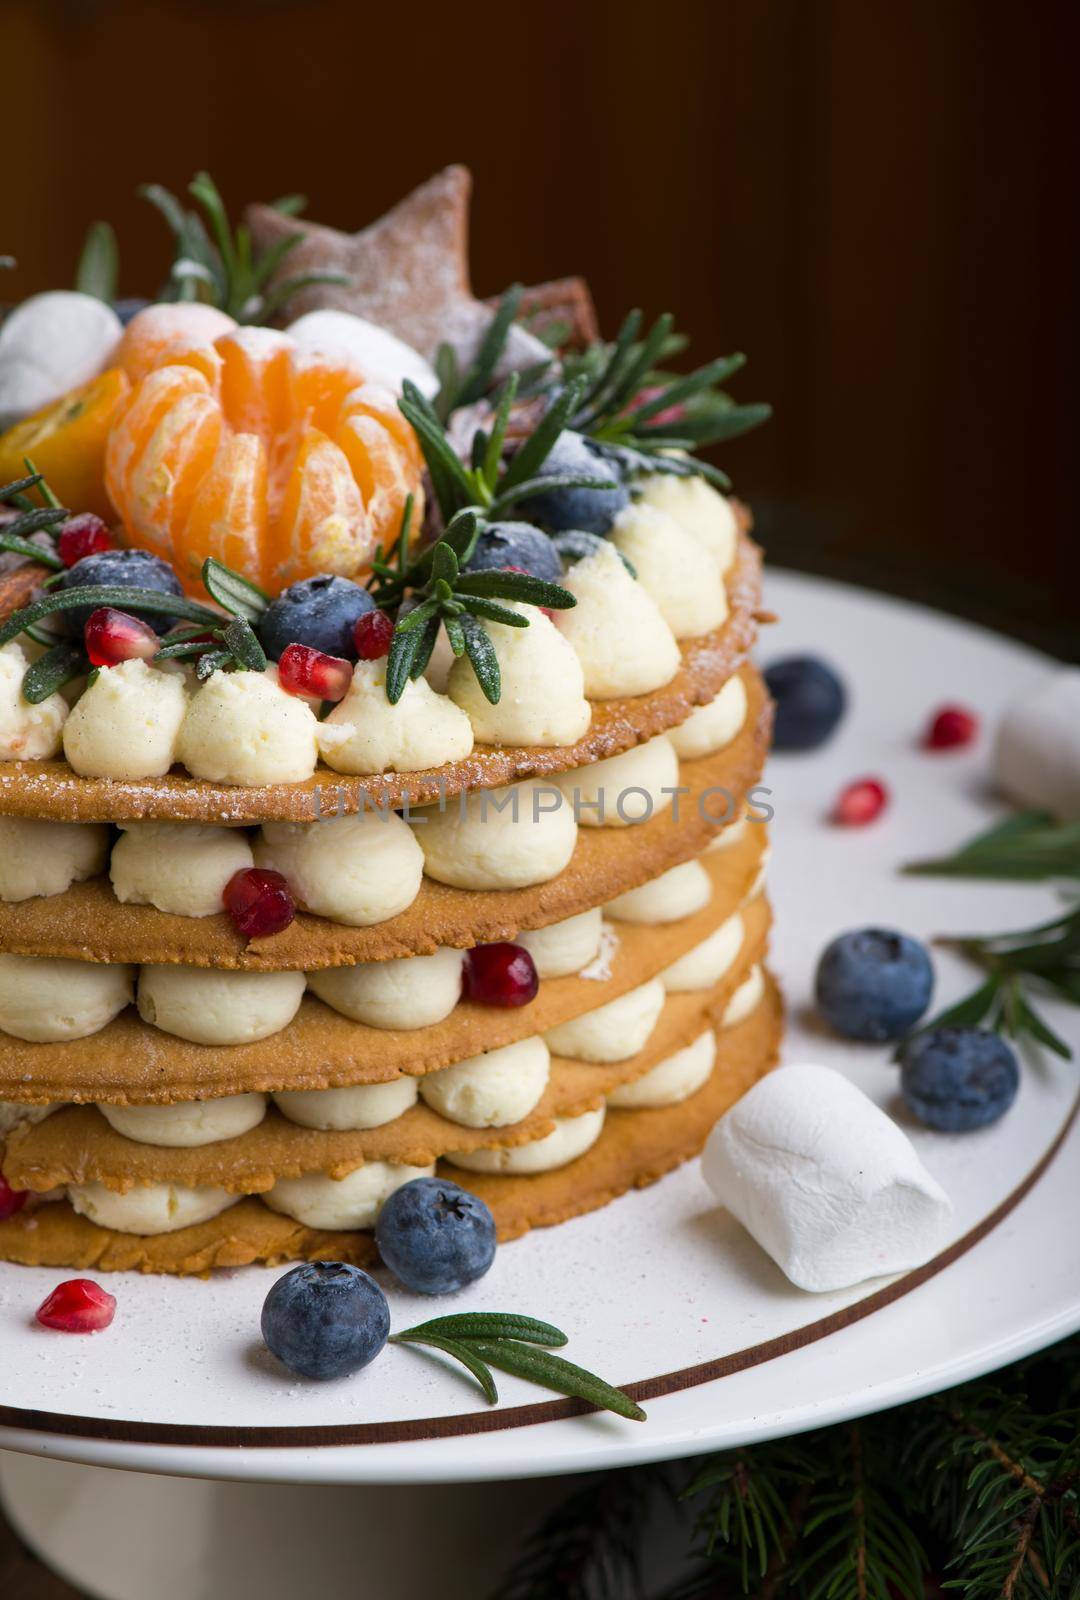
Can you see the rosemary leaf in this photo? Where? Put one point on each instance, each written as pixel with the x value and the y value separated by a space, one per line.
pixel 59 665
pixel 34 521
pixel 239 640
pixel 232 592
pixel 1029 847
pixel 460 1352
pixel 403 647
pixel 491 611
pixel 9 540
pixel 422 653
pixel 455 633
pixel 537 447
pixel 108 594
pixel 502 584
pixel 481 654
pixel 492 1325
pixel 510 496
pixel 707 377
pixel 99 263
pixel 210 663
pixel 552 1372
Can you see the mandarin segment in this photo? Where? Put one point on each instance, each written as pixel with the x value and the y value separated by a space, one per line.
pixel 323 524
pixel 67 442
pixel 229 513
pixel 153 332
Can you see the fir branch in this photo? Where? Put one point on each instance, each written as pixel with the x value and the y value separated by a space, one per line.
pixel 589 1547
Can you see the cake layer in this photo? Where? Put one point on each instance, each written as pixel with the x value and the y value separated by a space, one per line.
pixel 634 1149
pixel 77 1145
pixel 88 923
pixel 52 790
pixel 128 1062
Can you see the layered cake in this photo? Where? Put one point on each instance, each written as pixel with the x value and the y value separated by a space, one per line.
pixel 380 764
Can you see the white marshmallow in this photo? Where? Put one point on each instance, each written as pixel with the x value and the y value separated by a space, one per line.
pixel 179 867
pixel 27 732
pixel 242 728
pixel 189 1123
pixel 365 733
pixel 613 1032
pixel 570 1138
pixel 492 1090
pixel 127 724
pixel 50 344
pixel 1037 754
pixel 506 838
pixel 747 998
pixel 564 947
pixel 376 353
pixel 824 1181
pixel 43 858
pixel 672 1080
pixel 625 789
pixel 365 1105
pixel 542 700
pixel 150 1208
pixel 356 870
pixel 217 1006
pixel 413 992
pixel 696 506
pixel 675 894
pixel 683 577
pixel 350 1202
pixel 46 1000
pixel 712 727
pixel 706 963
pixel 612 609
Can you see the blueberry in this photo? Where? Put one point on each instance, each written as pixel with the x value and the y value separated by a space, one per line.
pixel 325 1319
pixel 873 984
pixel 321 612
pixel 810 700
pixel 136 569
pixel 516 544
pixel 592 510
pixel 956 1079
pixel 435 1236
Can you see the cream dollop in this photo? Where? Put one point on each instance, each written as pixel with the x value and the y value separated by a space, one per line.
pixel 616 629
pixel 189 1123
pixel 696 506
pixel 506 838
pixel 543 686
pixel 150 1208
pixel 217 1006
pixel 491 1090
pixel 564 947
pixel 706 963
pixel 365 733
pixel 672 1080
pixel 179 867
pixel 677 893
pixel 712 727
pixel 745 999
pixel 242 728
pixel 27 732
pixel 127 723
pixel 49 999
pixel 683 577
pixel 612 1032
pixel 43 858
pixel 570 1138
pixel 350 1202
pixel 625 789
pixel 357 870
pixel 365 1105
pixel 412 992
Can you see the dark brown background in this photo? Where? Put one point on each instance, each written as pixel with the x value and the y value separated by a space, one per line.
pixel 877 201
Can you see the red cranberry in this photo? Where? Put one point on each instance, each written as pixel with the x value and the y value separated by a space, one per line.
pixel 259 902
pixel 372 634
pixel 302 670
pixel 860 803
pixel 112 636
pixel 500 975
pixel 78 1306
pixel 84 535
pixel 951 727
pixel 11 1200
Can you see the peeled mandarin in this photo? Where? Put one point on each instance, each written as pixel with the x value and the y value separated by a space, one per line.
pixel 67 442
pixel 153 331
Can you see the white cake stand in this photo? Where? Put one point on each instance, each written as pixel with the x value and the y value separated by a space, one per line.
pixel 662 1290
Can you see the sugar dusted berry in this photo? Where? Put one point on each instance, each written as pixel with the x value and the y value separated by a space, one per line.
pixel 515 547
pixel 561 507
pixel 259 902
pixel 372 635
pixel 134 569
pixel 500 975
pixel 11 1200
pixel 321 612
pixel 860 802
pixel 113 636
pixel 435 1236
pixel 84 535
pixel 78 1306
pixel 951 728
pixel 308 672
pixel 325 1319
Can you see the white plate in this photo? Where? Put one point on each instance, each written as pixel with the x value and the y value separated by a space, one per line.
pixel 662 1287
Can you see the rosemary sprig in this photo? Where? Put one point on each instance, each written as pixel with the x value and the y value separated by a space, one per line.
pixel 456 388
pixel 1028 847
pixel 33 518
pixel 214 261
pixel 521 1346
pixel 99 263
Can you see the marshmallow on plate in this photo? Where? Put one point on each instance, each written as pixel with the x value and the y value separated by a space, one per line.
pixel 824 1180
pixel 1037 755
pixel 505 838
pixel 43 858
pixel 612 607
pixel 357 870
pixel 50 344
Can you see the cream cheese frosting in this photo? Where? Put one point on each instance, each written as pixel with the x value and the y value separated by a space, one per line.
pixel 612 1032
pixel 564 947
pixel 368 734
pixel 412 992
pixel 680 574
pixel 218 1006
pixel 616 629
pixel 365 1105
pixel 712 727
pixel 704 965
pixel 27 732
pixel 505 838
pixel 357 870
pixel 127 723
pixel 188 1123
pixel 243 728
pixel 570 1138
pixel 625 789
pixel 350 1202
pixel 672 1080
pixel 491 1090
pixel 746 997
pixel 44 858
pixel 696 506
pixel 677 893
pixel 49 999
pixel 150 1208
pixel 543 686
pixel 179 867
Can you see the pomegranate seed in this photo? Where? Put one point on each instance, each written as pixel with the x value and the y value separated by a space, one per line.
pixel 951 727
pixel 372 634
pixel 674 413
pixel 11 1200
pixel 500 975
pixel 259 902
pixel 83 535
pixel 112 636
pixel 78 1306
pixel 860 803
pixel 308 672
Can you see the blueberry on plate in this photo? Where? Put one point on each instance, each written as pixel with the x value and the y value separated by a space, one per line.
pixel 873 984
pixel 956 1079
pixel 325 1319
pixel 435 1236
pixel 320 612
pixel 592 510
pixel 135 569
pixel 810 701
pixel 518 545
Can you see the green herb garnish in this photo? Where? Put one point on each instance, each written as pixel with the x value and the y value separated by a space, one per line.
pixel 99 263
pixel 1030 847
pixel 521 1346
